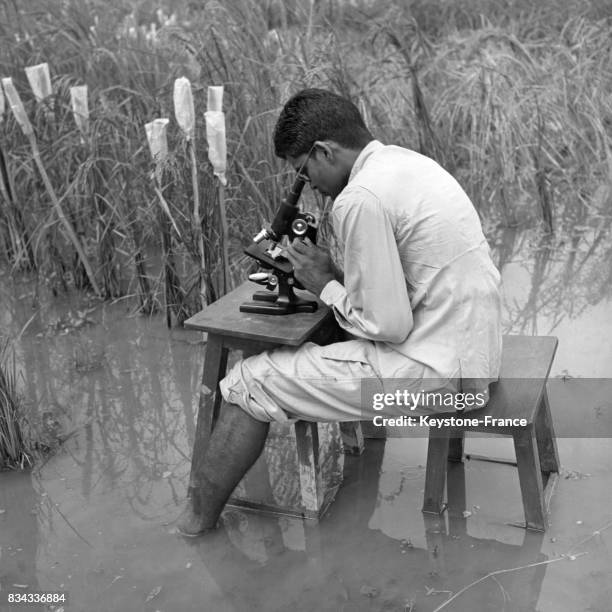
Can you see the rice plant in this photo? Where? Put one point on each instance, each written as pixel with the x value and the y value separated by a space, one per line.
pixel 512 97
pixel 16 450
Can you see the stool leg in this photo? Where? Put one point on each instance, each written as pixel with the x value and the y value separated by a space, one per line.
pixel 545 435
pixel 307 445
pixel 456 499
pixel 352 437
pixel 435 538
pixel 530 477
pixel 435 473
pixel 215 364
pixel 455 447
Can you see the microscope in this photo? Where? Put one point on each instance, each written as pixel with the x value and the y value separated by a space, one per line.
pixel 280 299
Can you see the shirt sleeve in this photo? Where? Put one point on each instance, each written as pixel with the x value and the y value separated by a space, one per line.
pixel 373 303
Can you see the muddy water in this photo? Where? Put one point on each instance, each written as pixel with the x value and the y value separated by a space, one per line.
pixel 96 519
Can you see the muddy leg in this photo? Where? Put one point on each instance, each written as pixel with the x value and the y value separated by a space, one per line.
pixel 235 444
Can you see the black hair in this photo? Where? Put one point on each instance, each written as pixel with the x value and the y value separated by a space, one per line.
pixel 318 114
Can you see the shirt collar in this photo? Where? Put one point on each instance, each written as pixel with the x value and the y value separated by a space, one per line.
pixel 371 147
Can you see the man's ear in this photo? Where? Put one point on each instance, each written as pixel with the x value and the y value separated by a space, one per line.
pixel 327 148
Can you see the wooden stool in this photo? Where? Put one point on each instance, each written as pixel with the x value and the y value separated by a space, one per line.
pixel 520 393
pixel 228 328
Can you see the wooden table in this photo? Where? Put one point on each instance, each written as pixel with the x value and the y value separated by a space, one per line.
pixel 228 328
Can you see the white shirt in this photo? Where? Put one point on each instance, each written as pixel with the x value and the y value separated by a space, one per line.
pixel 418 277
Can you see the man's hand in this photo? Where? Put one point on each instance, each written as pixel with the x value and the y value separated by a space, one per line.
pixel 312 264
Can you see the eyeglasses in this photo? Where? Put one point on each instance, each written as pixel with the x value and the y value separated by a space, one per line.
pixel 301 170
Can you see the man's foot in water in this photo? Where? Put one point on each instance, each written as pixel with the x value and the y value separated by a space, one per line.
pixel 191 524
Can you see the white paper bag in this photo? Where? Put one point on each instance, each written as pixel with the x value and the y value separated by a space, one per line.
pixel 183 107
pixel 80 110
pixel 40 81
pixel 215 133
pixel 17 106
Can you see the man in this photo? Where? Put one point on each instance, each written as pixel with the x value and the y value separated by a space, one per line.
pixel 419 295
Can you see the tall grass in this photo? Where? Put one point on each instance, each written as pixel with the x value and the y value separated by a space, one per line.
pixel 515 101
pixel 16 449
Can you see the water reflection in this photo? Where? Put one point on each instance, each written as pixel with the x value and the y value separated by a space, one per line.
pixel 120 390
pixel 345 564
pixel 456 557
pixel 548 279
pixel 18 533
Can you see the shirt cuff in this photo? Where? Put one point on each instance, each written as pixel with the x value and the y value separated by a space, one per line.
pixel 332 292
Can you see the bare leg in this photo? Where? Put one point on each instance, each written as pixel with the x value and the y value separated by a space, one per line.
pixel 235 444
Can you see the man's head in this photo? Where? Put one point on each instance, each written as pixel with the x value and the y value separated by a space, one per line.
pixel 321 134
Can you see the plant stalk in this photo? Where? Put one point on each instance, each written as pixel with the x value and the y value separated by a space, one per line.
pixel 197 223
pixel 225 232
pixel 60 213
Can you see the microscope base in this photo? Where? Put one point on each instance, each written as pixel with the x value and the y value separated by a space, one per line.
pixel 265 296
pixel 268 303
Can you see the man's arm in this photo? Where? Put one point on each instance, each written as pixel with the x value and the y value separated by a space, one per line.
pixel 373 301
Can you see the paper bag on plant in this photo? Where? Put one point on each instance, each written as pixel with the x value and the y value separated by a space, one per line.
pixel 14 100
pixel 40 83
pixel 215 133
pixel 80 109
pixel 157 138
pixel 183 107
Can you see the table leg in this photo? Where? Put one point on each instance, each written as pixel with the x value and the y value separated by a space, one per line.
pixel 307 443
pixel 215 364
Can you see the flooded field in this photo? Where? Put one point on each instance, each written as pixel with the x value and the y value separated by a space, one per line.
pixel 96 518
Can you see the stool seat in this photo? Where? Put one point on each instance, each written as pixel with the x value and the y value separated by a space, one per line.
pixel 520 393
